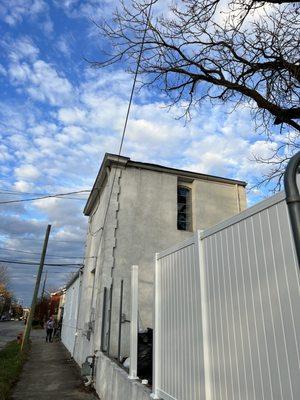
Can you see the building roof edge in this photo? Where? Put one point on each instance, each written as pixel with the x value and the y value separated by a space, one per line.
pixel 110 159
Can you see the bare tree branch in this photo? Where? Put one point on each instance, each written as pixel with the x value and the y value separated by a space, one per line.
pixel 247 54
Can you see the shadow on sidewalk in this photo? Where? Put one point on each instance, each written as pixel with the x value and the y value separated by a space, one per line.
pixel 50 374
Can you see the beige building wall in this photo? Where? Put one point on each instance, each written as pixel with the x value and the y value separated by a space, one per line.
pixel 147 223
pixel 141 220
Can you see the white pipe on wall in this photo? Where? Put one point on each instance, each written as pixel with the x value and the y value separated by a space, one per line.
pixel 134 322
pixel 156 330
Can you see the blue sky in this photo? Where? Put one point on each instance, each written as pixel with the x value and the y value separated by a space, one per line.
pixel 58 117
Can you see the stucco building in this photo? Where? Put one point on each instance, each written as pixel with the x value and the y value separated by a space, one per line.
pixel 151 207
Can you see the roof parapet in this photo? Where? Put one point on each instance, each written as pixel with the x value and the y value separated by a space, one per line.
pixel 121 161
pixel 108 160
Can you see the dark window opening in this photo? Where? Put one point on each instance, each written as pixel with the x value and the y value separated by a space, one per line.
pixel 184 213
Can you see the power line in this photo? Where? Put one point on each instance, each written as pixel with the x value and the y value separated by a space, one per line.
pixel 13 191
pixel 45 197
pixel 125 125
pixel 58 195
pixel 70 198
pixel 48 255
pixel 38 239
pixel 36 263
pixel 49 272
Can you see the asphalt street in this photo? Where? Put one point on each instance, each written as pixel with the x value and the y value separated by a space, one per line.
pixel 9 331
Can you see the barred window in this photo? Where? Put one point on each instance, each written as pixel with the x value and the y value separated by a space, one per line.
pixel 184 208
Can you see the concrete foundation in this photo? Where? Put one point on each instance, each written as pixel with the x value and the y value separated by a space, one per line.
pixel 112 382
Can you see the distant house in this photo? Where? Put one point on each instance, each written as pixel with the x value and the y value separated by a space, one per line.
pixel 151 207
pixel 56 303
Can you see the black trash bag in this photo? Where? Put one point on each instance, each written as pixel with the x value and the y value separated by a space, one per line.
pixel 145 349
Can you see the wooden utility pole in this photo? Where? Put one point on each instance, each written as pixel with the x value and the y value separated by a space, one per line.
pixel 44 285
pixel 36 290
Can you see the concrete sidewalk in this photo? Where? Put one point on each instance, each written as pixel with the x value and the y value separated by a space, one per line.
pixel 49 374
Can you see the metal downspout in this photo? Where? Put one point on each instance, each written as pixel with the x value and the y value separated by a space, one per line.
pixel 293 199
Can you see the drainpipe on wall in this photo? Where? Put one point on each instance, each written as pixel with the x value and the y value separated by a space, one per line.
pixel 293 199
pixel 78 310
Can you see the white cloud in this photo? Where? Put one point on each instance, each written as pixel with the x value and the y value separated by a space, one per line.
pixel 5 155
pixel 48 84
pixel 59 145
pixel 23 186
pixel 41 81
pixel 55 133
pixel 20 142
pixel 22 48
pixel 214 142
pixel 47 26
pixel 91 9
pixel 92 123
pixel 72 115
pixel 19 73
pixel 230 150
pixel 34 76
pixel 14 11
pixel 63 45
pixel 71 134
pixel 27 172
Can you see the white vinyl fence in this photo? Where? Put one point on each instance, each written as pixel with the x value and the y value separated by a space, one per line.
pixel 227 311
pixel 70 315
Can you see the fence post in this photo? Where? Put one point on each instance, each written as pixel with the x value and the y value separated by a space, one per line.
pixel 204 312
pixel 293 199
pixel 156 332
pixel 134 322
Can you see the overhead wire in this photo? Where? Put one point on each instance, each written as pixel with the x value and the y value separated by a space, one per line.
pixel 125 125
pixel 40 239
pixel 58 195
pixel 14 191
pixel 9 249
pixel 19 270
pixel 28 271
pixel 64 197
pixel 37 263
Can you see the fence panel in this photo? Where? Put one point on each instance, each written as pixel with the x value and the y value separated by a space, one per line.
pixel 227 322
pixel 178 341
pixel 253 297
pixel 70 315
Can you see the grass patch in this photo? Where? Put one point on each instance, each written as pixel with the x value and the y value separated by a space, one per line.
pixel 11 362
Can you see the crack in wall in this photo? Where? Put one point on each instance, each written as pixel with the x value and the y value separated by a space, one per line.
pixel 116 222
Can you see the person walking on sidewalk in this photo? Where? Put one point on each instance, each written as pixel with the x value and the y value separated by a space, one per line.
pixel 49 329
